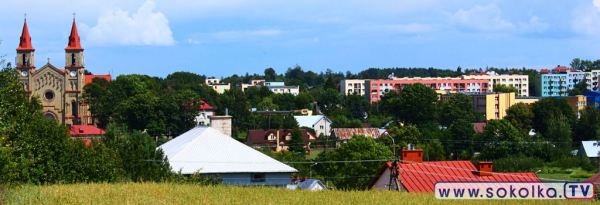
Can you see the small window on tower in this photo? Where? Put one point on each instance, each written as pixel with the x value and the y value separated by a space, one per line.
pixel 25 60
pixel 73 58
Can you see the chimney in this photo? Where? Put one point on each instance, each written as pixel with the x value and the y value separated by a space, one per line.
pixel 226 111
pixel 277 148
pixel 412 156
pixel 485 168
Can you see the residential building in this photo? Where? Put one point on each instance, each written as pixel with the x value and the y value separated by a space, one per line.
pixel 59 90
pixel 420 176
pixel 479 127
pixel 521 82
pixel 305 112
pixel 377 88
pixel 205 112
pixel 216 84
pixel 252 83
pixel 528 101
pixel 563 79
pixel 278 140
pixel 593 98
pixel 86 132
pixel 352 86
pixel 343 135
pixel 589 149
pixel 577 103
pixel 274 86
pixel 491 105
pixel 206 151
pixel 319 123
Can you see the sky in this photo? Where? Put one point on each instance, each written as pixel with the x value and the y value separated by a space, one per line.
pixel 224 37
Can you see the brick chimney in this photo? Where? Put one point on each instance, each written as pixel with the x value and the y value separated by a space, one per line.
pixel 485 168
pixel 412 156
pixel 277 146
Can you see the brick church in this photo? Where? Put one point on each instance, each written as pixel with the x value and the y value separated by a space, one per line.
pixel 59 90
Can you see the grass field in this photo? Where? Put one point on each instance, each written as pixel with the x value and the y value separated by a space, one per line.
pixel 161 193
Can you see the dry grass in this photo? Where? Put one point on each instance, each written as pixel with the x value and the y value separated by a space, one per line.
pixel 160 193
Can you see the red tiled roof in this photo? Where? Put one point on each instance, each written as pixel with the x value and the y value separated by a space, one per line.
pixel 479 127
pixel 560 69
pixel 348 133
pixel 261 136
pixel 74 43
pixel 421 177
pixel 85 130
pixel 594 179
pixel 544 71
pixel 205 106
pixel 89 78
pixel 25 43
pixel 479 73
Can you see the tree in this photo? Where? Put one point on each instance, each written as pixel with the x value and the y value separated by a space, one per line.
pixel 460 133
pixel 500 140
pixel 270 74
pixel 403 135
pixel 235 101
pixel 289 122
pixel 179 110
pixel 329 100
pixel 358 106
pixel 434 151
pixel 588 125
pixel 505 89
pixel 417 104
pixel 304 101
pixel 576 64
pixel 267 104
pixel 296 144
pixel 559 133
pixel 579 89
pixel 459 106
pixel 353 175
pixel 544 109
pixel 520 116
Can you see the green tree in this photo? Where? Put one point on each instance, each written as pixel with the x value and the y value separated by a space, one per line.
pixel 353 175
pixel 500 140
pixel 459 106
pixel 505 89
pixel 179 111
pixel 434 151
pixel 417 104
pixel 520 116
pixel 403 135
pixel 576 64
pixel 358 106
pixel 544 109
pixel 304 101
pixel 267 104
pixel 235 101
pixel 460 135
pixel 289 122
pixel 579 89
pixel 270 74
pixel 329 100
pixel 588 125
pixel 296 144
pixel 560 135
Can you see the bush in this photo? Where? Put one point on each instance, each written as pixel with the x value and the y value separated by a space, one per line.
pixel 566 162
pixel 518 164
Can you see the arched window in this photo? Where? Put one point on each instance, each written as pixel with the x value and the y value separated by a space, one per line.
pixel 74 108
pixel 50 116
pixel 73 58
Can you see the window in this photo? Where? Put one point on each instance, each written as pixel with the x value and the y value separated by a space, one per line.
pixel 49 95
pixel 73 58
pixel 321 127
pixel 258 177
pixel 74 108
pixel 271 136
pixel 50 116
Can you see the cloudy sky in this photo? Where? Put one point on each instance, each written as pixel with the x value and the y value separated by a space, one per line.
pixel 225 37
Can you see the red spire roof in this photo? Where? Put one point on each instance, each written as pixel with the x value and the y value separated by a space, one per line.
pixel 25 43
pixel 74 43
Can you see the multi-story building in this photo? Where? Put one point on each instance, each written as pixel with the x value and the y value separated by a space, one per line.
pixel 352 86
pixel 528 101
pixel 521 82
pixel 492 105
pixel 217 85
pixel 376 88
pixel 252 83
pixel 274 86
pixel 562 79
pixel 593 98
pixel 577 103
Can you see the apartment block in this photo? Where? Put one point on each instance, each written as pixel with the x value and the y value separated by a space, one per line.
pixel 561 79
pixel 274 86
pixel 521 82
pixel 377 88
pixel 352 86
pixel 217 85
pixel 577 103
pixel 492 105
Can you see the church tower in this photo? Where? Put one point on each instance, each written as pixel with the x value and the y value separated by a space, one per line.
pixel 25 59
pixel 74 52
pixel 74 77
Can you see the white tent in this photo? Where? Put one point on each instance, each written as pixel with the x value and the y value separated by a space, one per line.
pixel 208 151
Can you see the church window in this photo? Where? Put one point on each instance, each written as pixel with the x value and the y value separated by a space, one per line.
pixel 74 108
pixel 50 116
pixel 49 95
pixel 73 58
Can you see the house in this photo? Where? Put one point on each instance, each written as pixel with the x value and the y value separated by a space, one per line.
pixel 85 132
pixel 479 127
pixel 319 123
pixel 589 149
pixel 276 139
pixel 216 85
pixel 205 112
pixel 342 135
pixel 418 176
pixel 309 184
pixel 594 180
pixel 207 151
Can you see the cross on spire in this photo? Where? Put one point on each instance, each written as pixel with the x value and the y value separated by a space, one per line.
pixel 48 60
pixel 25 16
pixel 74 15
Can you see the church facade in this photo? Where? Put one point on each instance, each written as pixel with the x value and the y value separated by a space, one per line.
pixel 59 90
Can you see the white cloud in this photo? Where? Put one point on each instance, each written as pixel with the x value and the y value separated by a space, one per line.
pixel 535 24
pixel 235 35
pixel 485 18
pixel 597 4
pixel 587 22
pixel 145 27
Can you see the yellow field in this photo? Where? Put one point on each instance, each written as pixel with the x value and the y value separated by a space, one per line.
pixel 163 193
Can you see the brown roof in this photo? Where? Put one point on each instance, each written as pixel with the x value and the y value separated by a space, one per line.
pixel 261 136
pixel 479 127
pixel 348 133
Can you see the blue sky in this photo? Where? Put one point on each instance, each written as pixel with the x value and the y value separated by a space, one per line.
pixel 221 38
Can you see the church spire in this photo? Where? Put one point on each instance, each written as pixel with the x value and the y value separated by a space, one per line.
pixel 25 44
pixel 74 43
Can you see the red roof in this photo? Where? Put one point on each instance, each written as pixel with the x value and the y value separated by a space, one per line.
pixel 479 127
pixel 74 43
pixel 348 133
pixel 594 179
pixel 89 78
pixel 205 106
pixel 560 69
pixel 421 177
pixel 544 71
pixel 479 73
pixel 85 130
pixel 25 43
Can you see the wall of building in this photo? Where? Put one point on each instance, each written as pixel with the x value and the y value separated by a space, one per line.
pixel 222 124
pixel 521 82
pixel 350 86
pixel 577 103
pixel 245 179
pixel 322 126
pixel 558 84
pixel 376 88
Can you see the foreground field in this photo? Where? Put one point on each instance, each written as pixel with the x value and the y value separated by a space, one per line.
pixel 157 193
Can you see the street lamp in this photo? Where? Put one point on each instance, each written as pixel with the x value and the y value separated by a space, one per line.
pixel 393 142
pixel 310 169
